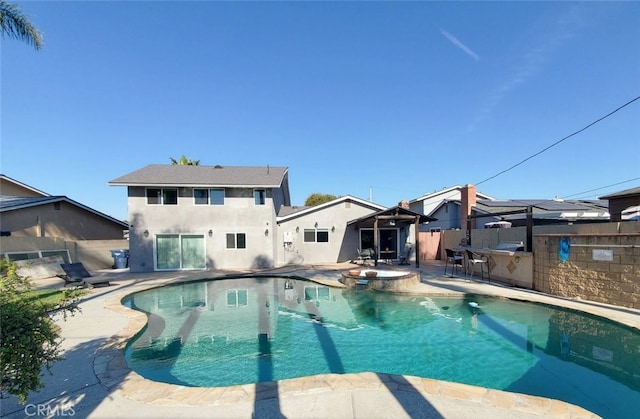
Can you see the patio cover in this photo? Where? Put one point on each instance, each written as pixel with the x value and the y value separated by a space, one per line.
pixel 394 216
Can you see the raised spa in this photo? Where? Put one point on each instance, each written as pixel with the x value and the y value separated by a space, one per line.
pixel 380 279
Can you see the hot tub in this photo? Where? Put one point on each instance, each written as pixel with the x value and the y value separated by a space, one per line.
pixel 380 279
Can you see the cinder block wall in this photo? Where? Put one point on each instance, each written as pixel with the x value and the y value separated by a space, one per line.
pixel 601 268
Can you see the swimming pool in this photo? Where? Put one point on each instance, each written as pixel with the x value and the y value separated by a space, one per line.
pixel 247 330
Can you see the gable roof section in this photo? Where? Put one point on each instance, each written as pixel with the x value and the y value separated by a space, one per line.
pixel 12 203
pixel 208 176
pixel 5 178
pixel 452 193
pixel 396 211
pixel 287 213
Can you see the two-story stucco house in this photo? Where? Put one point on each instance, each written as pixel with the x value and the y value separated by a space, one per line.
pixel 203 217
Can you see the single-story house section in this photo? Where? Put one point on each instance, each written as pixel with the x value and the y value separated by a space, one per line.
pixel 319 234
pixel 28 212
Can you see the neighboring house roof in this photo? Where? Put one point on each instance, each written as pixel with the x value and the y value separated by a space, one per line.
pixel 285 213
pixel 13 203
pixel 621 194
pixel 433 201
pixel 452 191
pixel 5 178
pixel 209 176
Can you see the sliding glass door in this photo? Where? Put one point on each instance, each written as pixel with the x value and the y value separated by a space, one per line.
pixel 175 252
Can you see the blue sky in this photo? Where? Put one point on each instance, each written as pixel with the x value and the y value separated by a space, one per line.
pixel 389 100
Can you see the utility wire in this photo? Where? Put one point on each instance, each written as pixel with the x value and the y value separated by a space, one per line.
pixel 559 141
pixel 603 187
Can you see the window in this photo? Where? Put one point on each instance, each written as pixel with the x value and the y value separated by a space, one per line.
pixel 217 196
pixel 208 196
pixel 236 241
pixel 260 196
pixel 320 235
pixel 237 298
pixel 315 293
pixel 13 256
pixel 201 196
pixel 156 196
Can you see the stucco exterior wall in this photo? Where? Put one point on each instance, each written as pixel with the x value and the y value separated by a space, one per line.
pixel 93 254
pixel 65 220
pixel 602 268
pixel 343 241
pixel 239 214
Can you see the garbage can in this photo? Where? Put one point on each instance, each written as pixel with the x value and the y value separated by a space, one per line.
pixel 120 258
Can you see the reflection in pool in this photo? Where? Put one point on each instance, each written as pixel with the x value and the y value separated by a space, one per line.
pixel 247 330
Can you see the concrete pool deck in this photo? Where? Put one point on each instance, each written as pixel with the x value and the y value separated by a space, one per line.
pixel 93 380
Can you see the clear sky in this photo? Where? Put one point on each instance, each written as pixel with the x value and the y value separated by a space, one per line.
pixel 389 100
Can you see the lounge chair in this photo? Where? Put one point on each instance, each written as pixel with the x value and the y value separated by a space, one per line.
pixel 365 255
pixel 77 274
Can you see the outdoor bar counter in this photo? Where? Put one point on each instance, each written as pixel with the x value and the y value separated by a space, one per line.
pixel 508 266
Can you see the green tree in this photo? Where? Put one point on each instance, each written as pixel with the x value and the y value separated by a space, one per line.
pixel 29 338
pixel 318 198
pixel 184 161
pixel 15 24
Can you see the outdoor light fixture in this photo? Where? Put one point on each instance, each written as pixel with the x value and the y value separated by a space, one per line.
pixel 316 225
pixel 333 229
pixel 210 233
pixel 297 229
pixel 146 233
pixel 266 231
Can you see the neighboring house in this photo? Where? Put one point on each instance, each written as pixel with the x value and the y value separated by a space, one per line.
pixel 624 205
pixel 203 217
pixel 319 234
pixel 444 206
pixel 28 212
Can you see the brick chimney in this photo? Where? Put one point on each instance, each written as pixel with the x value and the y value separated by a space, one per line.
pixel 467 200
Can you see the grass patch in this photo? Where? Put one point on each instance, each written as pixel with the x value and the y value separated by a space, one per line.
pixel 50 299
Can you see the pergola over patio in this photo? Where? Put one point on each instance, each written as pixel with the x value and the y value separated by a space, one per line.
pixel 392 217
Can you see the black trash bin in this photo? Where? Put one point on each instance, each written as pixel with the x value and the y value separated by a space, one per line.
pixel 120 258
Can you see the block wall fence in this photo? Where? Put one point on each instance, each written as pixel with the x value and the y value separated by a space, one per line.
pixel 600 268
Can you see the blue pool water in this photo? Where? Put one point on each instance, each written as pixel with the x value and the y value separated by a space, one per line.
pixel 248 330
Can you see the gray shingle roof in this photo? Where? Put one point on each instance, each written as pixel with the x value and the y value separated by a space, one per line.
pixel 184 175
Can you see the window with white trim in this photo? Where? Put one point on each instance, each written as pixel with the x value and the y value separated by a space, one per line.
pixel 162 196
pixel 316 235
pixel 236 241
pixel 214 196
pixel 237 298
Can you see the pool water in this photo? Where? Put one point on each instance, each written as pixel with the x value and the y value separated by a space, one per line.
pixel 248 330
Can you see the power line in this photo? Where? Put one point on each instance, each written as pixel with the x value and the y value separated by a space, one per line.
pixel 603 187
pixel 559 141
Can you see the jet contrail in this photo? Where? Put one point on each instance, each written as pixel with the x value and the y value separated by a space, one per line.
pixel 459 44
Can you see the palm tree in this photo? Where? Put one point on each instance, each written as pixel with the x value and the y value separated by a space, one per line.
pixel 15 24
pixel 184 161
